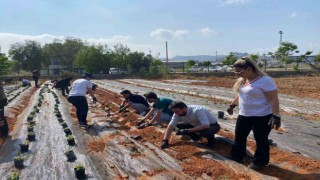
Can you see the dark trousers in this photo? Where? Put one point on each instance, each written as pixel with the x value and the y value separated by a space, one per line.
pixel 81 104
pixel 4 129
pixel 261 130
pixel 36 79
pixel 65 90
pixel 207 133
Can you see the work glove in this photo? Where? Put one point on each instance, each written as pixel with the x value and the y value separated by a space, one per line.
pixel 144 125
pixel 183 132
pixel 165 144
pixel 94 99
pixel 139 122
pixel 230 108
pixel 275 121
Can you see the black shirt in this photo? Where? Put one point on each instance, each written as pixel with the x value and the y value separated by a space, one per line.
pixel 134 98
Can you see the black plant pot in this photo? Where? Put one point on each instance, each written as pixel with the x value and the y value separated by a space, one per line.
pixel 80 173
pixel 67 131
pixel 32 123
pixel 30 128
pixel 31 137
pixel 71 142
pixel 64 125
pixel 58 115
pixel 18 163
pixel 29 118
pixel 60 119
pixel 24 147
pixel 70 155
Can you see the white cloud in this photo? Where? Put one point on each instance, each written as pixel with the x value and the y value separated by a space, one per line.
pixel 234 2
pixel 165 34
pixel 293 15
pixel 182 34
pixel 207 31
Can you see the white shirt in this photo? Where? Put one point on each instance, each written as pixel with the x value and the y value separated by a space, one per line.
pixel 196 115
pixel 252 98
pixel 80 87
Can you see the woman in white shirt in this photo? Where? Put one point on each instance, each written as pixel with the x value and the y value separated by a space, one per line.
pixel 258 102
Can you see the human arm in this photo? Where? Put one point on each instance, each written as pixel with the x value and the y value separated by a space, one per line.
pixel 272 97
pixel 156 117
pixel 165 141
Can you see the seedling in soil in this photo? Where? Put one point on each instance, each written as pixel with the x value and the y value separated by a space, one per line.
pixel 18 161
pixel 70 140
pixel 80 171
pixel 30 128
pixel 70 155
pixel 14 176
pixel 64 124
pixel 31 136
pixel 60 119
pixel 67 131
pixel 58 114
pixel 24 147
pixel 30 118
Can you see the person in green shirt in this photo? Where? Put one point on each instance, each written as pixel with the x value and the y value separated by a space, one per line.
pixel 159 111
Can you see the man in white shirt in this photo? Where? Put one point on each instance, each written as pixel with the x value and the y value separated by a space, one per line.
pixel 77 97
pixel 194 121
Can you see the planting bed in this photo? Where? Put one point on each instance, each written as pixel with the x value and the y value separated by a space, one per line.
pixel 113 148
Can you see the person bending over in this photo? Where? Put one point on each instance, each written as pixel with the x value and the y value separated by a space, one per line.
pixel 135 101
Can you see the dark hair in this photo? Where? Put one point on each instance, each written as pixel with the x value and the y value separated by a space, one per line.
pixel 125 92
pixel 177 104
pixel 150 95
pixel 244 63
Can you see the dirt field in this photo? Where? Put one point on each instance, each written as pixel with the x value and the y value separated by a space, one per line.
pixel 115 149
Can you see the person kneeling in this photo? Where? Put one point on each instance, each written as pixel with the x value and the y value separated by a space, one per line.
pixel 194 121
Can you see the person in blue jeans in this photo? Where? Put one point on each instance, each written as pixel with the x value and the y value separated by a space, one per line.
pixel 77 97
pixel 257 97
pixel 159 112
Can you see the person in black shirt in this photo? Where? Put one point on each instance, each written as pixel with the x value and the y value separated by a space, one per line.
pixel 35 76
pixel 63 85
pixel 137 102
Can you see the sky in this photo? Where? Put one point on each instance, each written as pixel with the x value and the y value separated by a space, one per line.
pixel 191 27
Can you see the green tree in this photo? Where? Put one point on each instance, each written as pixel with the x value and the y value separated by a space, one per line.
pixel 93 59
pixel 71 47
pixel 206 64
pixel 120 56
pixel 4 64
pixel 304 58
pixel 254 57
pixel 190 63
pixel 284 51
pixel 138 61
pixel 230 59
pixel 29 55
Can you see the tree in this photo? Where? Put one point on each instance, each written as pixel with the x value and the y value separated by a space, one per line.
pixel 285 50
pixel 190 63
pixel 230 59
pixel 71 47
pixel 138 61
pixel 93 59
pixel 254 57
pixel 304 58
pixel 120 56
pixel 30 55
pixel 4 64
pixel 207 64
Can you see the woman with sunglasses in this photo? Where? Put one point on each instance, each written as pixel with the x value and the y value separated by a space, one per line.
pixel 258 102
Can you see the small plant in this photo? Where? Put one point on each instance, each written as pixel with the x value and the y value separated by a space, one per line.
pixel 79 170
pixel 67 131
pixel 18 161
pixel 31 136
pixel 70 140
pixel 70 155
pixel 32 123
pixel 30 117
pixel 30 128
pixel 64 124
pixel 24 147
pixel 14 176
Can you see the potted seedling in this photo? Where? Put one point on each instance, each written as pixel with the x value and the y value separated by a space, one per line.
pixel 70 155
pixel 70 140
pixel 24 147
pixel 30 128
pixel 60 119
pixel 32 123
pixel 67 131
pixel 31 136
pixel 58 114
pixel 14 176
pixel 64 124
pixel 30 117
pixel 80 171
pixel 18 161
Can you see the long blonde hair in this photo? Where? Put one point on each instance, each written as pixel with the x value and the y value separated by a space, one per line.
pixel 244 63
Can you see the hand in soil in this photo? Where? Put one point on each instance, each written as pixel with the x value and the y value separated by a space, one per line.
pixel 165 144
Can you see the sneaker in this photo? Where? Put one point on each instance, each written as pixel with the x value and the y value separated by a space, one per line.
pixel 235 159
pixel 255 167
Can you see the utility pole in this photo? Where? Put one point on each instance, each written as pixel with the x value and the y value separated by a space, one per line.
pixel 167 53
pixel 281 32
pixel 265 62
pixel 216 56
